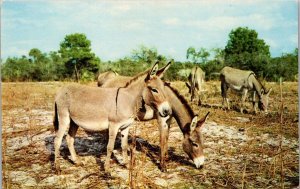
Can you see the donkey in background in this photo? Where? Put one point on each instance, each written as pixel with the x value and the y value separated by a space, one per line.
pixel 109 74
pixel 244 81
pixel 195 83
pixel 187 120
pixel 97 109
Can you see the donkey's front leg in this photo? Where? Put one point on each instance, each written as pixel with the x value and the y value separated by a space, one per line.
pixel 244 96
pixel 164 127
pixel 124 145
pixel 112 132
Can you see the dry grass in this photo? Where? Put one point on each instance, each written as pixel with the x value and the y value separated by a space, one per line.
pixel 252 163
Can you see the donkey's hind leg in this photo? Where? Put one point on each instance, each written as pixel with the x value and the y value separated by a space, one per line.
pixel 64 122
pixel 70 141
pixel 112 133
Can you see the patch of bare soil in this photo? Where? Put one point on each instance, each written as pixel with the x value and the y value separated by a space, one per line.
pixel 242 150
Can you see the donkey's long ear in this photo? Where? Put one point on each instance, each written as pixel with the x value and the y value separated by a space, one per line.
pixel 188 86
pixel 152 72
pixel 193 124
pixel 161 71
pixel 202 121
pixel 268 93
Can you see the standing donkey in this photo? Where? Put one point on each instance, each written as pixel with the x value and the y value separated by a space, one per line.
pixel 195 83
pixel 98 109
pixel 187 120
pixel 243 81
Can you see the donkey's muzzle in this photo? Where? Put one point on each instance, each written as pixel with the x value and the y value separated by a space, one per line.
pixel 199 161
pixel 164 109
pixel 165 113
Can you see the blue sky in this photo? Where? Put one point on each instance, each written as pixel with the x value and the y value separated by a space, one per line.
pixel 116 28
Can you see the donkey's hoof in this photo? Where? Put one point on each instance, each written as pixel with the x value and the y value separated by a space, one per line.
pixel 199 103
pixel 57 169
pixel 163 169
pixel 107 168
pixel 78 163
pixel 125 164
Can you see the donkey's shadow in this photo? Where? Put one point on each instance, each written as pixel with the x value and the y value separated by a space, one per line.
pixel 95 145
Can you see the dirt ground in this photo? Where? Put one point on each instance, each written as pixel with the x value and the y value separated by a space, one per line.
pixel 242 150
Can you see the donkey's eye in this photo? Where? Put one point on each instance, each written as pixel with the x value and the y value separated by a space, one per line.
pixel 195 145
pixel 154 90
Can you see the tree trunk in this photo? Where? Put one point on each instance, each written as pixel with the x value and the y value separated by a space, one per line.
pixel 76 73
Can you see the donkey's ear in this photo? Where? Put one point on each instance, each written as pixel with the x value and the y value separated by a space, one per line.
pixel 268 93
pixel 193 124
pixel 152 72
pixel 161 71
pixel 262 91
pixel 202 121
pixel 188 86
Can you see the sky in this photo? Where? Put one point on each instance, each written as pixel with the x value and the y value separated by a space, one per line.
pixel 117 28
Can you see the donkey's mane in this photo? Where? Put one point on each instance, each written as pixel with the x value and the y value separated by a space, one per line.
pixel 136 78
pixel 182 99
pixel 264 88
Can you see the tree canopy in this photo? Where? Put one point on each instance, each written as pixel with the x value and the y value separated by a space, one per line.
pixel 197 56
pixel 245 50
pixel 78 58
pixel 75 59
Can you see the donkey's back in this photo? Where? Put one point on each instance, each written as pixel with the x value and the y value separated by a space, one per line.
pixel 104 76
pixel 235 78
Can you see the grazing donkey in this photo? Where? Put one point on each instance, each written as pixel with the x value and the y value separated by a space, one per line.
pixel 97 109
pixel 195 82
pixel 188 122
pixel 243 81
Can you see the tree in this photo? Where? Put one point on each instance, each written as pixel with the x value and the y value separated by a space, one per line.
pixel 285 66
pixel 146 55
pixel 17 69
pixel 245 50
pixel 199 56
pixel 77 55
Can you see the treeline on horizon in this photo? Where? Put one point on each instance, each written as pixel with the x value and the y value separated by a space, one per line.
pixel 75 61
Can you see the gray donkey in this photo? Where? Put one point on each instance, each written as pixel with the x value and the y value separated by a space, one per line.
pixel 244 81
pixel 187 120
pixel 195 83
pixel 97 109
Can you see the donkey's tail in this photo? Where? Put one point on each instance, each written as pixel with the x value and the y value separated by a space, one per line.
pixel 55 118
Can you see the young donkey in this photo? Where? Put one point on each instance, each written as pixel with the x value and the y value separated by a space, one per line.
pixel 243 81
pixel 97 109
pixel 195 82
pixel 188 122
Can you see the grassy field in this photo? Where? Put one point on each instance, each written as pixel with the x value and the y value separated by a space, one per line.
pixel 242 150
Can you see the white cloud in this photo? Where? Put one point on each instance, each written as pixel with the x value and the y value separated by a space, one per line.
pixel 171 21
pixel 112 24
pixel 271 42
pixel 132 25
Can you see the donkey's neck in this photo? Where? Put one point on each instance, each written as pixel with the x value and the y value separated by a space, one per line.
pixel 257 85
pixel 129 96
pixel 182 112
